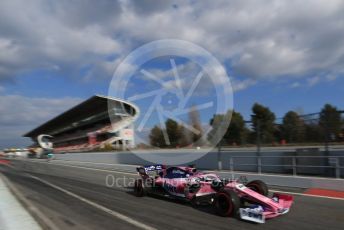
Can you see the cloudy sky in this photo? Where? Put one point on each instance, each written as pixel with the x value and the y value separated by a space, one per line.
pixel 288 55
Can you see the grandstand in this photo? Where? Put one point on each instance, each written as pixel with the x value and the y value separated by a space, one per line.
pixel 87 126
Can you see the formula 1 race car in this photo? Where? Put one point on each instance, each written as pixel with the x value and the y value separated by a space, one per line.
pixel 228 197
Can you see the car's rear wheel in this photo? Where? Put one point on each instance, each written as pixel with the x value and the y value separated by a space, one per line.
pixel 139 188
pixel 226 203
pixel 259 187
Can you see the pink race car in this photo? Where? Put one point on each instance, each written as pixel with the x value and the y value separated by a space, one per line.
pixel 228 197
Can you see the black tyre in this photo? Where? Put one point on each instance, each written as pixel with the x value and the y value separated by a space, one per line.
pixel 194 203
pixel 259 187
pixel 139 188
pixel 226 203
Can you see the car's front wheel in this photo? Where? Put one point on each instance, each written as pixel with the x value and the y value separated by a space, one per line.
pixel 226 203
pixel 259 187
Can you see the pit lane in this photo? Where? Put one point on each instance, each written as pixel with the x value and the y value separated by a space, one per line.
pixel 67 212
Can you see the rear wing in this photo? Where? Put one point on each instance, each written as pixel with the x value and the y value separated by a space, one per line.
pixel 143 170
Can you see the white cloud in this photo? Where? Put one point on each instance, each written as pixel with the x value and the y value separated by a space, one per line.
pixel 20 114
pixel 263 40
pixel 49 35
pixel 331 77
pixel 257 39
pixel 313 81
pixel 295 85
pixel 242 85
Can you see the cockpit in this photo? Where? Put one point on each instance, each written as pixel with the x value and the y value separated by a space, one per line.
pixel 175 172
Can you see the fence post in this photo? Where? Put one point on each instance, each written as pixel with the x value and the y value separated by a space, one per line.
pixel 259 160
pixel 258 137
pixel 294 165
pixel 337 168
pixel 231 164
pixel 219 160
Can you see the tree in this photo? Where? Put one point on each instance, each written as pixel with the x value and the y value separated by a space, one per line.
pixel 185 136
pixel 293 127
pixel 313 133
pixel 196 125
pixel 263 123
pixel 236 132
pixel 219 124
pixel 220 131
pixel 156 137
pixel 173 132
pixel 330 122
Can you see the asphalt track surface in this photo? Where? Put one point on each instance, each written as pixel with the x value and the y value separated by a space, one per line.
pixel 93 210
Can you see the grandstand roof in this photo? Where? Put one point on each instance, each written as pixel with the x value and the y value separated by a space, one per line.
pixel 94 105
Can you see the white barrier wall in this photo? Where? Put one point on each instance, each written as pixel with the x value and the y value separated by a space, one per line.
pixel 280 161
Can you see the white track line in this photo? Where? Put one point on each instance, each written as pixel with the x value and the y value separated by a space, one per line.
pixel 94 163
pixel 275 175
pixel 94 169
pixel 101 170
pixel 95 205
pixel 309 195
